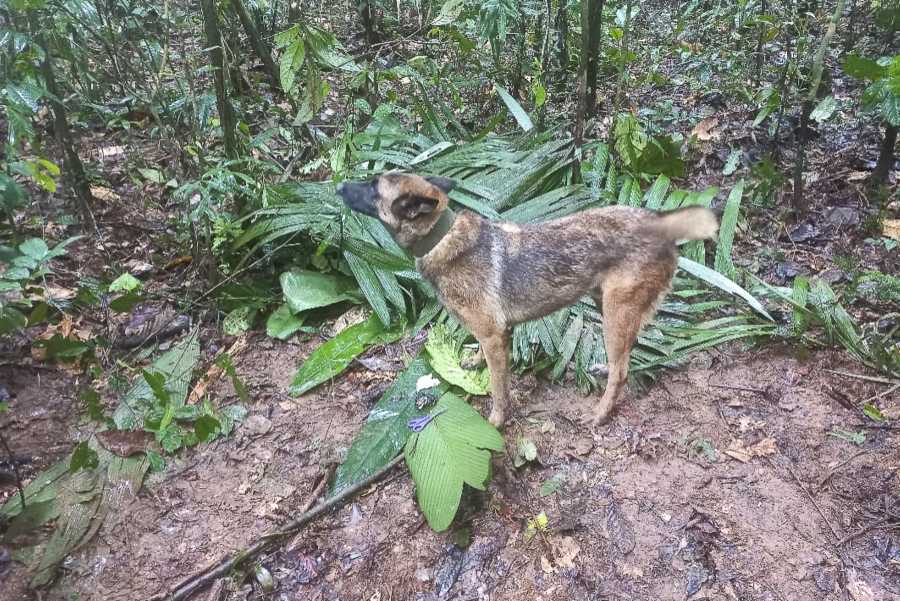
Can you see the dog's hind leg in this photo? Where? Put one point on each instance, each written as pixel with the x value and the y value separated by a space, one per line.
pixel 627 305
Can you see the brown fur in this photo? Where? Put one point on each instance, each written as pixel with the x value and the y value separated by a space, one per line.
pixel 492 275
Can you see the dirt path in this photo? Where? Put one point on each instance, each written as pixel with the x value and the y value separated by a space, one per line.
pixel 651 506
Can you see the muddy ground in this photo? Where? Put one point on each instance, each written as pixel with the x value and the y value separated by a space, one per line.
pixel 652 505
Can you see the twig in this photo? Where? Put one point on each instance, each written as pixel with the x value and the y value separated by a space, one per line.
pixel 811 499
pixel 741 388
pixel 882 393
pixel 862 377
pixel 870 526
pixel 15 467
pixel 209 575
pixel 317 491
pixel 831 473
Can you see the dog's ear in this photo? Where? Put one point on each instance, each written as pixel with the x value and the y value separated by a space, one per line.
pixel 410 207
pixel 443 183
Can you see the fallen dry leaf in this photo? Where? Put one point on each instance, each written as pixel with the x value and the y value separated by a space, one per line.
pixel 104 194
pixel 859 590
pixel 747 423
pixel 125 443
pixel 763 448
pixel 565 549
pixel 108 152
pixel 891 228
pixel 546 566
pixel 706 129
pixel 178 262
pixel 214 371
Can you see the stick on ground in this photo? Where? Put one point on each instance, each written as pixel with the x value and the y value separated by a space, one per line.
pixel 209 575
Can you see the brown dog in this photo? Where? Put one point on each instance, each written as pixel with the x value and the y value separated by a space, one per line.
pixel 493 275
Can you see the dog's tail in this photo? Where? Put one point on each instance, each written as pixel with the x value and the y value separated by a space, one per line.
pixel 688 223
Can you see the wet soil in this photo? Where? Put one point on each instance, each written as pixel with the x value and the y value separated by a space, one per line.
pixel 723 481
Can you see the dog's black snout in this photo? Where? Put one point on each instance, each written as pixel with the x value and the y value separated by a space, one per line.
pixel 359 197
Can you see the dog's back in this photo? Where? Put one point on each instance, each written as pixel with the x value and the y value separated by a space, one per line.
pixel 529 271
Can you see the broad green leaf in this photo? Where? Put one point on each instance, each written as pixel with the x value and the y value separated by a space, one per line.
pixel 860 67
pixel 733 162
pixel 125 282
pixel 716 279
pixel 727 227
pixel 282 324
pixel 305 290
pixel 239 320
pixel 551 485
pixel 291 62
pixel 83 458
pixel 824 110
pixel 154 176
pixel 11 319
pixel 42 489
pixel 526 451
pixel 515 108
pixel 453 449
pixel 34 248
pixel 385 432
pixel 176 365
pixel 444 356
pixel 334 356
pixel 449 12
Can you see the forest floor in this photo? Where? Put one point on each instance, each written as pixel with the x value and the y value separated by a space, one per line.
pixel 723 481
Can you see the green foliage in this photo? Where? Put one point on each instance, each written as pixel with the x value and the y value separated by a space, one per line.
pixel 444 355
pixel 334 356
pixel 453 449
pixel 304 290
pixel 882 95
pixel 385 432
pixel 26 269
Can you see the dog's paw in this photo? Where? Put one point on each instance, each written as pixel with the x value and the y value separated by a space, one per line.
pixel 598 369
pixel 497 419
pixel 596 417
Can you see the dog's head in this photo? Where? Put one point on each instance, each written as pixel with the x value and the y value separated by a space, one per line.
pixel 408 205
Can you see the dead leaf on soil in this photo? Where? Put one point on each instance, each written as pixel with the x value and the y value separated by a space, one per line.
pixel 125 443
pixel 107 152
pixel 565 549
pixel 748 424
pixel 706 129
pixel 214 371
pixel 178 262
pixel 546 566
pixel 763 448
pixel 859 590
pixel 631 571
pixel 104 194
pixel 891 228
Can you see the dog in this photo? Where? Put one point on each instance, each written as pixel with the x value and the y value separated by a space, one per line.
pixel 492 275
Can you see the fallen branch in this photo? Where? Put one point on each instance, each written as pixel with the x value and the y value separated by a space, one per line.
pixel 210 574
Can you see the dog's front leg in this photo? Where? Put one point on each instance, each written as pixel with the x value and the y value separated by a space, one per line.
pixel 495 347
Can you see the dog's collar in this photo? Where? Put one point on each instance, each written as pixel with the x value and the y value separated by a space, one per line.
pixel 422 247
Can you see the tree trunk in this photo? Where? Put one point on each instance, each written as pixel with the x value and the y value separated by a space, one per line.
pixel 259 46
pixel 562 51
pixel 73 168
pixel 596 27
pixel 367 16
pixel 217 60
pixel 582 109
pixel 885 157
pixel 799 200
